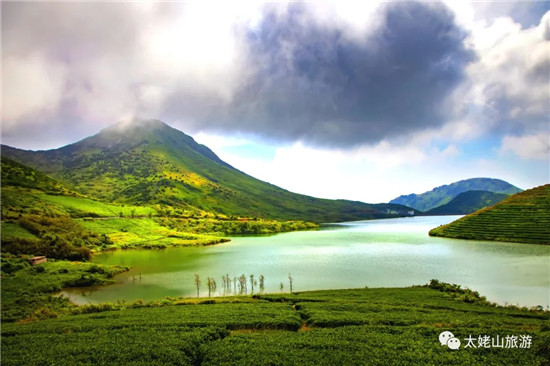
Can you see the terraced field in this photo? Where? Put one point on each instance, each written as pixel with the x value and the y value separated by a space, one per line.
pixel 523 218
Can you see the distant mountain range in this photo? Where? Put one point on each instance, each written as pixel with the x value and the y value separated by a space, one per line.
pixel 523 217
pixel 150 163
pixel 445 194
pixel 468 202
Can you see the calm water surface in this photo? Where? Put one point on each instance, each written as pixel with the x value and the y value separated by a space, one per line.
pixel 375 253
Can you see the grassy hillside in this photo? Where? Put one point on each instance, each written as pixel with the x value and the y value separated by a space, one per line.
pixel 149 163
pixel 41 216
pixel 70 227
pixel 468 202
pixel 444 194
pixel 523 217
pixel 345 327
pixel 19 175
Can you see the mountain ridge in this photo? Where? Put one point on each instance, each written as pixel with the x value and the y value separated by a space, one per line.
pixel 444 194
pixel 151 163
pixel 468 202
pixel 120 136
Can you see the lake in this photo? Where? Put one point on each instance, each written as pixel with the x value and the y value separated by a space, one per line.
pixel 376 253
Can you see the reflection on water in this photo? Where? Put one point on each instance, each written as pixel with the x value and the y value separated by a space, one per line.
pixel 376 253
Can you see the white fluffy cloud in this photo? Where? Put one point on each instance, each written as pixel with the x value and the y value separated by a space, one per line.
pixel 513 69
pixel 528 147
pixel 508 87
pixel 368 173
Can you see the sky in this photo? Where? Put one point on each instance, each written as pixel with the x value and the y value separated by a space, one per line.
pixel 345 100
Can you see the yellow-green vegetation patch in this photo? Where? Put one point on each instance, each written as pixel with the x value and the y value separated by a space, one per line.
pixel 81 207
pixel 145 233
pixel 142 227
pixel 168 231
pixel 235 226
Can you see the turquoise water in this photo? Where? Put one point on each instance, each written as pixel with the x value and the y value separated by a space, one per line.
pixel 376 253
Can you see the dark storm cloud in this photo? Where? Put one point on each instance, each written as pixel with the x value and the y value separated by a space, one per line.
pixel 295 77
pixel 311 82
pixel 302 79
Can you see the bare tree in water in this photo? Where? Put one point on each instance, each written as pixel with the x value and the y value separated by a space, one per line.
pixel 197 283
pixel 290 282
pixel 242 284
pixel 262 279
pixel 227 283
pixel 210 284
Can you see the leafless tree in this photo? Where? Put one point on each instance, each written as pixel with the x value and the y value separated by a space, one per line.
pixel 197 283
pixel 262 279
pixel 211 285
pixel 242 284
pixel 290 282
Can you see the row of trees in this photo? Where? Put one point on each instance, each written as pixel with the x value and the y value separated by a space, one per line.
pixel 238 285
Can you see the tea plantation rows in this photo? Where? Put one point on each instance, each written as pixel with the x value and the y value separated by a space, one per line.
pixel 523 217
pixel 340 327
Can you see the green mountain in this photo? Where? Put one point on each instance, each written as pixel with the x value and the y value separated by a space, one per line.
pixel 468 202
pixel 150 163
pixel 444 194
pixel 523 217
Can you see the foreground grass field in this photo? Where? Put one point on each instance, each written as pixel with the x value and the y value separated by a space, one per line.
pixel 341 327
